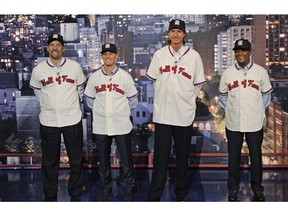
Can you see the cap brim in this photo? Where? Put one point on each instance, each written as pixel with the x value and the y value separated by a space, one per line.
pixel 240 48
pixel 55 39
pixel 108 51
pixel 176 27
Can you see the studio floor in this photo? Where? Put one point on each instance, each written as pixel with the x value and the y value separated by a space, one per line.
pixel 206 185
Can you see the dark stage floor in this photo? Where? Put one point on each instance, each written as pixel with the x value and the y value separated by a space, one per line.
pixel 207 185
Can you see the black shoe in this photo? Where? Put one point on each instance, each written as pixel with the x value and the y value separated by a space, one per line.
pixel 75 199
pixel 50 199
pixel 181 198
pixel 154 199
pixel 233 196
pixel 259 196
pixel 129 197
pixel 104 197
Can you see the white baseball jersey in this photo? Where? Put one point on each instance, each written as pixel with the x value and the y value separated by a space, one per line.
pixel 175 81
pixel 244 109
pixel 59 100
pixel 111 110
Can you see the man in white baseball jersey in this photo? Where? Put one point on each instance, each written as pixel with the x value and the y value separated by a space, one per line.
pixel 178 75
pixel 245 92
pixel 111 94
pixel 58 84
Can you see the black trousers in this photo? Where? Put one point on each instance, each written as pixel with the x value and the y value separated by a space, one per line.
pixel 162 150
pixel 51 143
pixel 254 141
pixel 124 145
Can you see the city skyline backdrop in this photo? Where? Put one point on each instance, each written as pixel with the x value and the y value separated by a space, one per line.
pixel 137 37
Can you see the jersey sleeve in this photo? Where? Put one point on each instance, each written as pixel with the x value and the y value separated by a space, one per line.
pixel 223 100
pixel 199 79
pixel 90 88
pixel 89 102
pixel 223 88
pixel 266 100
pixel 153 70
pixel 34 82
pixel 266 86
pixel 131 89
pixel 81 81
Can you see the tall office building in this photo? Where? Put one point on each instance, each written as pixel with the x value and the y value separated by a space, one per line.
pixel 271 43
pixel 226 42
pixel 89 36
pixel 221 53
pixel 259 39
pixel 276 41
pixel 69 29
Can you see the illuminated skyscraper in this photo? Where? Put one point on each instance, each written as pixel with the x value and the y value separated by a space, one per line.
pixel 271 43
pixel 276 40
pixel 226 42
pixel 69 29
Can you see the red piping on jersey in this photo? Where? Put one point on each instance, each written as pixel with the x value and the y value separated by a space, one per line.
pixel 133 96
pixel 201 83
pixel 89 96
pixel 270 90
pixel 149 77
pixel 33 87
pixel 82 83
pixel 225 93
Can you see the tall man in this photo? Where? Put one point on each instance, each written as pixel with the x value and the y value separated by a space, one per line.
pixel 177 72
pixel 245 92
pixel 58 84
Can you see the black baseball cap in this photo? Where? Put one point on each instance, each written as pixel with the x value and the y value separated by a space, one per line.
pixel 54 37
pixel 108 47
pixel 242 44
pixel 178 24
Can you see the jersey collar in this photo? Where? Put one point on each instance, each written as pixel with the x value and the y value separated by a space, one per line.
pixel 246 68
pixel 63 61
pixel 182 51
pixel 114 71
